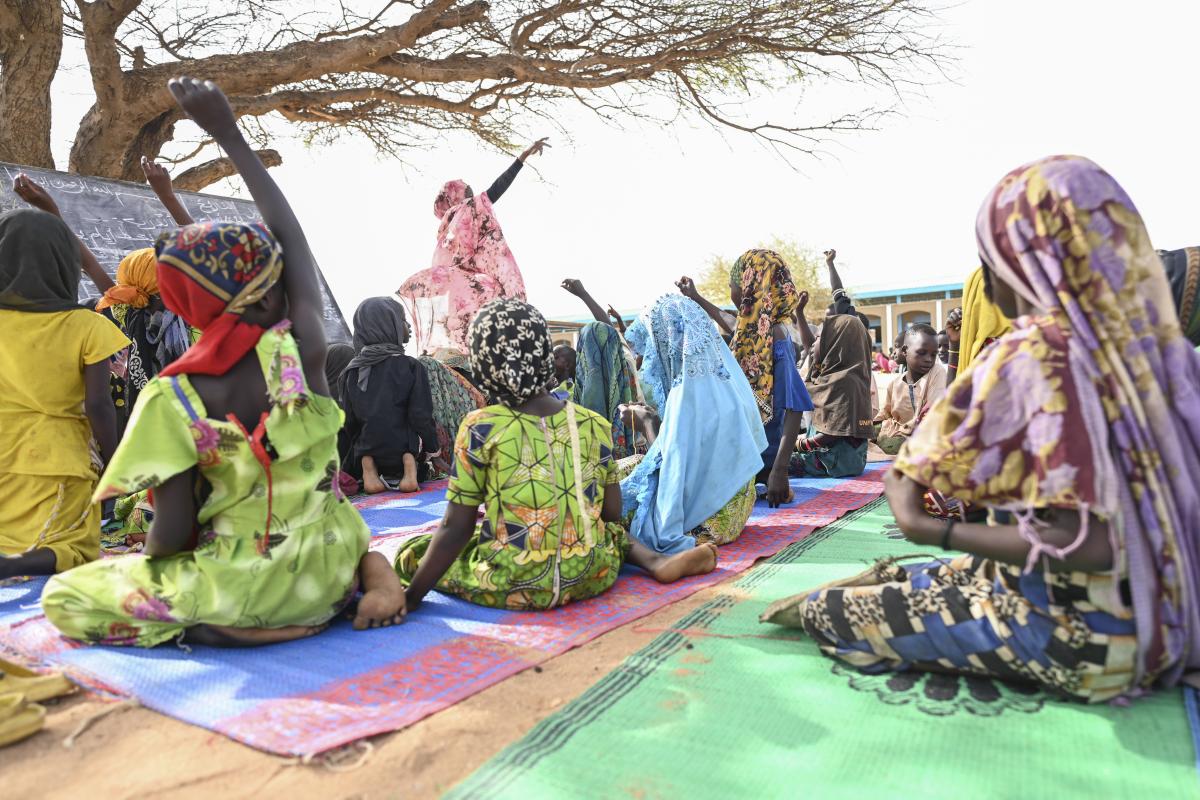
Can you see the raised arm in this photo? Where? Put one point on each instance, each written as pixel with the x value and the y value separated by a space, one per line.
pixel 207 106
pixel 806 335
pixel 575 287
pixel 835 280
pixel 160 181
pixel 954 334
pixel 687 288
pixel 501 184
pixel 39 198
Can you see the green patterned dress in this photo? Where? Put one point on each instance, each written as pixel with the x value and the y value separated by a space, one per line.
pixel 537 546
pixel 278 543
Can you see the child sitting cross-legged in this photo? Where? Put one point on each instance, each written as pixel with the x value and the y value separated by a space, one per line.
pixel 915 389
pixel 544 472
pixel 252 541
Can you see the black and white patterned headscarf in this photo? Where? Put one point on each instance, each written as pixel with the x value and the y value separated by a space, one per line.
pixel 511 354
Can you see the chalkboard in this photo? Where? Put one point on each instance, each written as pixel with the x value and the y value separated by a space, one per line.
pixel 114 218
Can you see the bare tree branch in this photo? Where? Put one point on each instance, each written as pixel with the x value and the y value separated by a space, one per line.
pixel 403 73
pixel 208 173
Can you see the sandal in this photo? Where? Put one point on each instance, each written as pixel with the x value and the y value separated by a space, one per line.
pixel 19 718
pixel 35 687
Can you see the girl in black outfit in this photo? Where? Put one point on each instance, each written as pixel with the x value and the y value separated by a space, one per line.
pixel 389 410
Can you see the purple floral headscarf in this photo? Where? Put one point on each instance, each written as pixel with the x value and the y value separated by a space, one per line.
pixel 1091 404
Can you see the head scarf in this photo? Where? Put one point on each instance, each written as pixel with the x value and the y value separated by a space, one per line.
pixel 379 334
pixel 511 353
pixel 982 321
pixel 208 274
pixel 839 379
pixel 710 426
pixel 337 358
pixel 1093 404
pixel 1183 273
pixel 453 193
pixel 137 281
pixel 602 379
pixel 472 265
pixel 769 298
pixel 39 262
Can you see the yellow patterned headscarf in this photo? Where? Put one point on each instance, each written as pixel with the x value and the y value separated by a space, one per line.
pixel 982 321
pixel 769 298
pixel 137 281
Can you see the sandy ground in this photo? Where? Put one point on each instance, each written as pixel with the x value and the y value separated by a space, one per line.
pixel 138 753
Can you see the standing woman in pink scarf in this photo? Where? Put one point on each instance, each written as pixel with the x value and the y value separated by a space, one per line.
pixel 472 264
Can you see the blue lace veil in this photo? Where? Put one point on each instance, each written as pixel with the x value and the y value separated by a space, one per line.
pixel 711 438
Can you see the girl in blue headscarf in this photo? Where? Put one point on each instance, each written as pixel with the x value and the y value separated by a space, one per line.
pixel 706 408
pixel 602 380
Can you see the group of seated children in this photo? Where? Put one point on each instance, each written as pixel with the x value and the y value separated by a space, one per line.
pixel 646 446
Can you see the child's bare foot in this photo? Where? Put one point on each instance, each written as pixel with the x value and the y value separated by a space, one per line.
pixel 408 483
pixel 382 603
pixel 700 560
pixel 372 483
pixel 225 636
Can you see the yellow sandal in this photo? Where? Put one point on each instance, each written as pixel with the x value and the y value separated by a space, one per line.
pixel 19 718
pixel 35 687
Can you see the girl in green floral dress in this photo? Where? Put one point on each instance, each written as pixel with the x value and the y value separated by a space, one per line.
pixel 544 472
pixel 252 541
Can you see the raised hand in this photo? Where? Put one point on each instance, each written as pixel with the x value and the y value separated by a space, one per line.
pixel 157 176
pixel 954 326
pixel 574 286
pixel 617 319
pixel 687 287
pixel 206 104
pixel 34 194
pixel 536 148
pixel 803 301
pixel 830 255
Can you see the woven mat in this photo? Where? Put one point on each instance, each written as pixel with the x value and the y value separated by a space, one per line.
pixel 311 695
pixel 723 706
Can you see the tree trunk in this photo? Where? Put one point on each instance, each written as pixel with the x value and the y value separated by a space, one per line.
pixel 31 36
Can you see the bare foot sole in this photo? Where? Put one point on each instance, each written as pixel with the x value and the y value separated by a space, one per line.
pixel 408 483
pixel 374 485
pixel 700 560
pixel 225 636
pixel 382 603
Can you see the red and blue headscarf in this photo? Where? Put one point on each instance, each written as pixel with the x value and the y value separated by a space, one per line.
pixel 208 274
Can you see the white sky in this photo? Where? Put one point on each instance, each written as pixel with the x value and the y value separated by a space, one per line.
pixel 628 211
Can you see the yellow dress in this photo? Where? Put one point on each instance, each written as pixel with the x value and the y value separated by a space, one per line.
pixel 47 474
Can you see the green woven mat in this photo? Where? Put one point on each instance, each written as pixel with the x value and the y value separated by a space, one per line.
pixel 723 706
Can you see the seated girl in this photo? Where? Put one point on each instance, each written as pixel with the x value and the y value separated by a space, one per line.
pixel 543 470
pixel 603 383
pixel 840 383
pixel 696 482
pixel 921 384
pixel 54 399
pixel 1084 424
pixel 389 410
pixel 760 285
pixel 252 542
pixel 453 398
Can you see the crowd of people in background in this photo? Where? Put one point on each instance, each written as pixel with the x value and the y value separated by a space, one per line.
pixel 1050 433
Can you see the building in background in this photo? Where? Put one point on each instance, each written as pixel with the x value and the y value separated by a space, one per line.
pixel 892 310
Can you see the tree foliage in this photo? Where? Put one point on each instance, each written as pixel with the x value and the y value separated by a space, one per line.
pixel 404 72
pixel 806 265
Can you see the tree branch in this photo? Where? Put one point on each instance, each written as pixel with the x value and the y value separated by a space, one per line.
pixel 208 173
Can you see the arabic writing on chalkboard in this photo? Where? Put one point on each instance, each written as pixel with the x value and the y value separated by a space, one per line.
pixel 113 218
